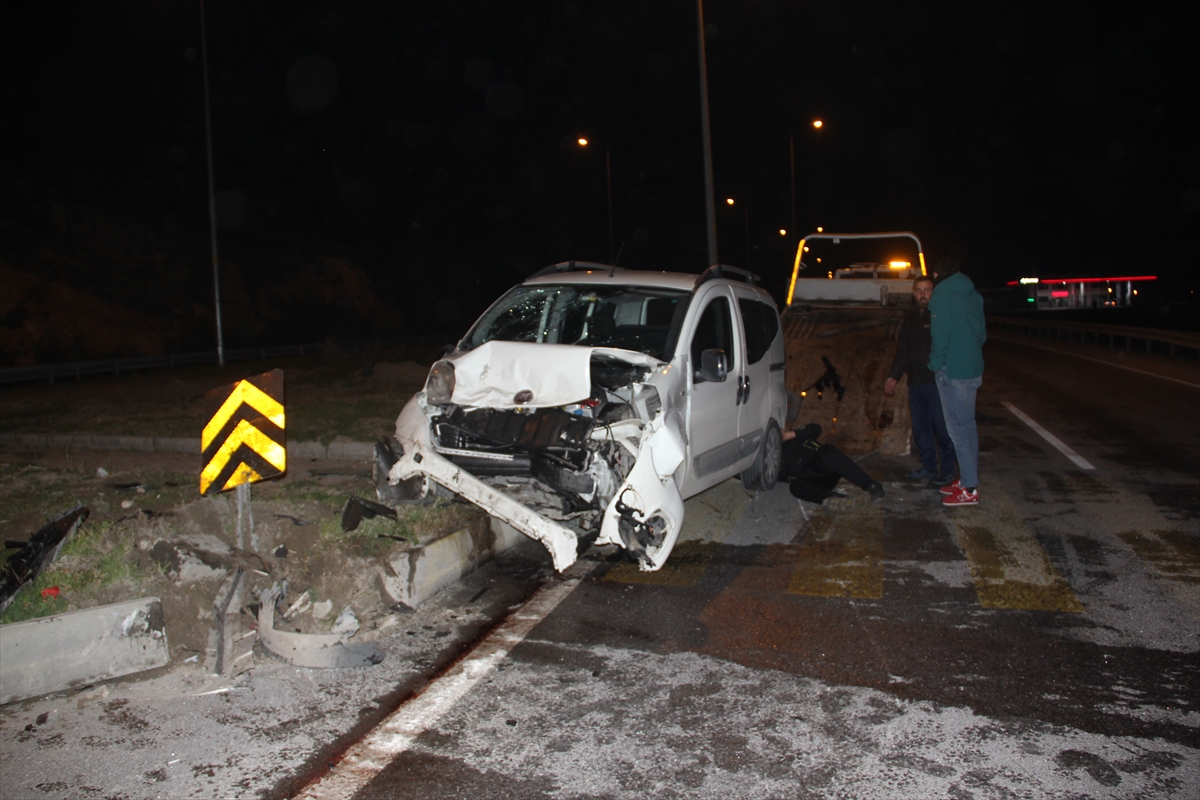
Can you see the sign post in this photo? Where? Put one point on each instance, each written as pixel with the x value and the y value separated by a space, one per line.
pixel 243 442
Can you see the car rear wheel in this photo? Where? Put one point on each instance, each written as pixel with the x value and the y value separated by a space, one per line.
pixel 764 472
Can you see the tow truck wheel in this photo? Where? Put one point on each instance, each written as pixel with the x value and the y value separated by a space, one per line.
pixel 764 472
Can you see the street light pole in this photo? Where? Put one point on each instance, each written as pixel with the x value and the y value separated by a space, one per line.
pixel 710 197
pixel 746 214
pixel 212 197
pixel 584 142
pixel 792 175
pixel 608 179
pixel 817 124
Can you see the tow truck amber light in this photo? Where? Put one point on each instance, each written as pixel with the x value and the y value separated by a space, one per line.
pixel 439 386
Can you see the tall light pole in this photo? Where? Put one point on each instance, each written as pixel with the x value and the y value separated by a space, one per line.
pixel 583 142
pixel 710 197
pixel 729 201
pixel 212 192
pixel 817 124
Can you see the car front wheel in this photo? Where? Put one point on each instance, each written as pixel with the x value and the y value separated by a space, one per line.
pixel 764 472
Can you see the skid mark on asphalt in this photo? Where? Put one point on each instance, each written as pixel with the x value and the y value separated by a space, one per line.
pixel 1009 568
pixel 842 555
pixel 708 519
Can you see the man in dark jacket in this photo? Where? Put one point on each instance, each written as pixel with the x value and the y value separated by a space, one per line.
pixel 813 470
pixel 912 357
pixel 958 331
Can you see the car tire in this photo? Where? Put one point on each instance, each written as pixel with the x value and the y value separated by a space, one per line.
pixel 764 472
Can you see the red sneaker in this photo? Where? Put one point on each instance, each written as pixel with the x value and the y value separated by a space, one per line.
pixel 950 488
pixel 963 497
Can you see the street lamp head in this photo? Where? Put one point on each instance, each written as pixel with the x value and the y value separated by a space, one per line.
pixel 582 141
pixel 820 229
pixel 728 201
pixel 818 123
pixel 783 231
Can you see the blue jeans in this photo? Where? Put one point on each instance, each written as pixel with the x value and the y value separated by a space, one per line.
pixel 958 406
pixel 929 429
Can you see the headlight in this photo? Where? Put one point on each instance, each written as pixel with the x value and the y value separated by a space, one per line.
pixel 439 386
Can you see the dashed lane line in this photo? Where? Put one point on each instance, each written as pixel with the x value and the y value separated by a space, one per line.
pixel 1059 444
pixel 394 735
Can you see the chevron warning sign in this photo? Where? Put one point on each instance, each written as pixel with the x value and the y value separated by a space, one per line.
pixel 243 440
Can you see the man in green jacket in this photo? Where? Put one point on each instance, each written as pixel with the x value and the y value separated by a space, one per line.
pixel 958 331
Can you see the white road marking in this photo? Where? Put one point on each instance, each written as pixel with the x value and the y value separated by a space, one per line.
pixel 394 735
pixel 1059 444
pixel 1097 360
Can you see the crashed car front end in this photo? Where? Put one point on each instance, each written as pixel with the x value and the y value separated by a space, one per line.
pixel 565 443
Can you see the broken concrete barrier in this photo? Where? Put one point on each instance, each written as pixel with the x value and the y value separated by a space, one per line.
pixel 79 648
pixel 415 575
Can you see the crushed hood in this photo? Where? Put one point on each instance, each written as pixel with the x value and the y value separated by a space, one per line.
pixel 491 375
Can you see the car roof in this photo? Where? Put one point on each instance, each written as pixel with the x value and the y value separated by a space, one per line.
pixel 583 272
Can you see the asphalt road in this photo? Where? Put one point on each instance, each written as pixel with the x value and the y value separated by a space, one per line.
pixel 1043 644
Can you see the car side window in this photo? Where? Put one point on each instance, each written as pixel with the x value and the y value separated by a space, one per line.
pixel 761 326
pixel 714 330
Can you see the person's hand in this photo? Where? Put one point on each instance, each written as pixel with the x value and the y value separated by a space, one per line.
pixel 889 387
pixel 789 435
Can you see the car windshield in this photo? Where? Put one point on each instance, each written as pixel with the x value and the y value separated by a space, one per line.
pixel 638 318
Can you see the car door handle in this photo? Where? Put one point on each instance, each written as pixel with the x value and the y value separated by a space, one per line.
pixel 743 391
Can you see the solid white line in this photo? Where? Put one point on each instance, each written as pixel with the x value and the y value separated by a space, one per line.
pixel 394 735
pixel 1062 447
pixel 1097 360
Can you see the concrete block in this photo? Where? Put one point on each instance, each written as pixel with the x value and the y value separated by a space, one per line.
pixel 418 574
pixel 80 648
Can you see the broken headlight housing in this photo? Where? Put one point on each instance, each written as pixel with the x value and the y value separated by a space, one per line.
pixel 439 386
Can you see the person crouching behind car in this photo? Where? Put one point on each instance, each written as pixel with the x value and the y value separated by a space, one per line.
pixel 813 470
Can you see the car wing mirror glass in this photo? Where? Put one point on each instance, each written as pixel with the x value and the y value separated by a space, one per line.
pixel 713 365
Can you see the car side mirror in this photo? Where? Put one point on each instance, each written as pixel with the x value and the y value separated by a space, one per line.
pixel 713 365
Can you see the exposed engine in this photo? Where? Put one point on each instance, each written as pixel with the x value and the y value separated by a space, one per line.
pixel 566 462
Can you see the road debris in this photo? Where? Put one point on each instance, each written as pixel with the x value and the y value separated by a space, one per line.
pixel 294 520
pixel 319 651
pixel 38 553
pixel 346 623
pixel 356 510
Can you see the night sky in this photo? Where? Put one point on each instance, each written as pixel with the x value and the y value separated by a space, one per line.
pixel 387 169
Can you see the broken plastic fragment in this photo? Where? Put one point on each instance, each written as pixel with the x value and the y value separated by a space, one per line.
pixel 356 510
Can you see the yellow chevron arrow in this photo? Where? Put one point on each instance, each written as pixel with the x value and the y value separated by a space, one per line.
pixel 244 392
pixel 256 440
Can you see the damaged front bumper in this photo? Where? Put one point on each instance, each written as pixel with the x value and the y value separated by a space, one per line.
pixel 420 460
pixel 643 515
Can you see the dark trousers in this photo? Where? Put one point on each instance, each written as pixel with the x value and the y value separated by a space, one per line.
pixel 813 470
pixel 929 429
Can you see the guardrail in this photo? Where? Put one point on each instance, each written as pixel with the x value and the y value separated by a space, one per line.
pixel 49 373
pixel 1171 343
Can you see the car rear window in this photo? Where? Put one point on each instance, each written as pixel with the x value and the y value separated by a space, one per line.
pixel 762 323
